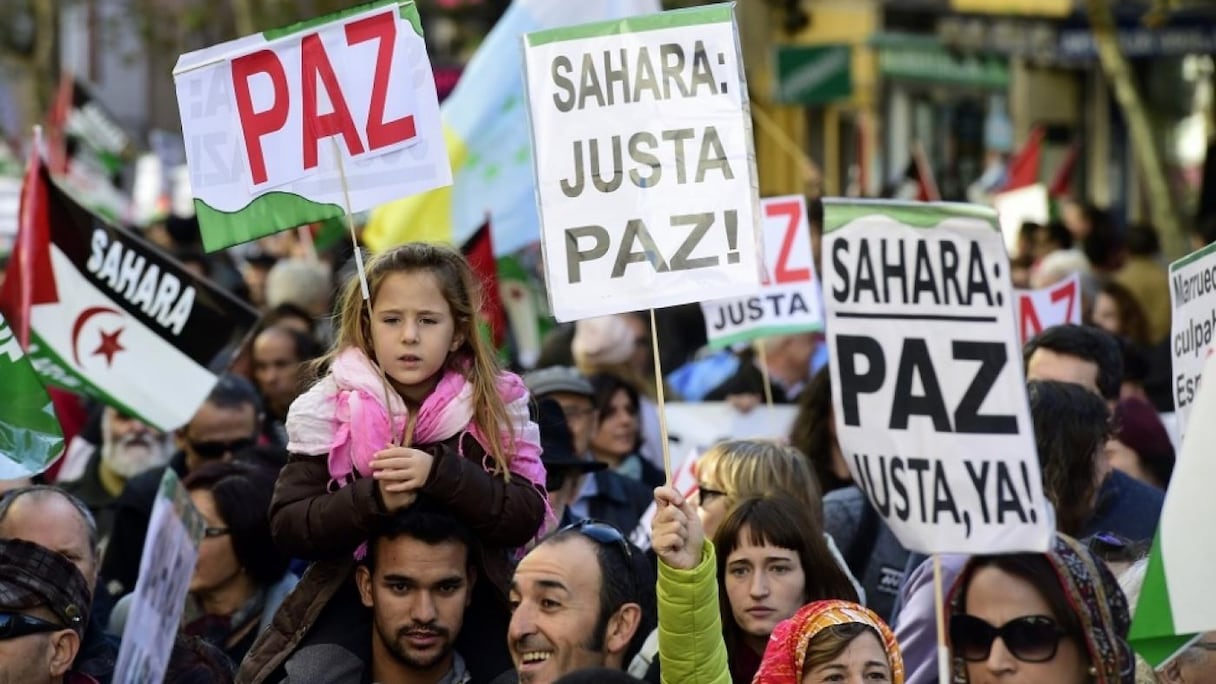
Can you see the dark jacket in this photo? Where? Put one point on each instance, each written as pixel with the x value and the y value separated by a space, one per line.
pixel 870 548
pixel 619 500
pixel 1127 507
pixel 310 522
pixel 132 511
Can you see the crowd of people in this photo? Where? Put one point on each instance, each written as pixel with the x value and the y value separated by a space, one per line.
pixel 385 502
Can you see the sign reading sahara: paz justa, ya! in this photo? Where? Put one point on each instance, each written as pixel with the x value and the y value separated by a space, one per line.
pixel 644 163
pixel 264 117
pixel 789 300
pixel 927 387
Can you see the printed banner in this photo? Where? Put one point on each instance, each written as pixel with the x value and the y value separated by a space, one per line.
pixel 1193 299
pixel 170 551
pixel 30 437
pixel 927 387
pixel 645 173
pixel 789 300
pixel 684 481
pixel 111 316
pixel 272 121
pixel 1039 310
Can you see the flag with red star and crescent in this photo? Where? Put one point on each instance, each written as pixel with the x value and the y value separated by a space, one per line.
pixel 103 313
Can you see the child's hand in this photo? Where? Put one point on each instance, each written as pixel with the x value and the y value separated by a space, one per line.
pixel 401 469
pixel 676 533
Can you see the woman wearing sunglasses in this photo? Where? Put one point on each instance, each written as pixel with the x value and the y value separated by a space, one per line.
pixel 1057 617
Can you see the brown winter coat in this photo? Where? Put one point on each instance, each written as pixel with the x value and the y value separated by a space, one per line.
pixel 311 523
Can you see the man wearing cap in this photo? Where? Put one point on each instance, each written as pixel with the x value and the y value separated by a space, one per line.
pixel 604 495
pixel 563 470
pixel 44 607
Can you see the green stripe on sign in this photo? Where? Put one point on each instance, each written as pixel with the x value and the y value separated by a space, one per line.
pixel 839 213
pixel 55 371
pixel 1193 257
pixel 766 331
pixel 408 11
pixel 268 214
pixel 692 16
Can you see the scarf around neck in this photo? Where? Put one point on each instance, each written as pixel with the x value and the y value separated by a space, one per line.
pixel 785 655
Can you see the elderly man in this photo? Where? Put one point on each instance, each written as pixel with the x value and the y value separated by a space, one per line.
pixel 582 599
pixel 1196 664
pixel 44 607
pixel 60 522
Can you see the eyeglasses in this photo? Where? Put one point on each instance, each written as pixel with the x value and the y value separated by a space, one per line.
pixel 215 531
pixel 602 533
pixel 210 450
pixel 1031 639
pixel 13 625
pixel 708 494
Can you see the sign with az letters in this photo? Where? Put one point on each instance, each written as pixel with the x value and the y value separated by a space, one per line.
pixel 1041 309
pixel 789 300
pixel 645 172
pixel 273 121
pixel 927 387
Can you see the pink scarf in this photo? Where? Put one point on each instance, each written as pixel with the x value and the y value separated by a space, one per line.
pixel 345 417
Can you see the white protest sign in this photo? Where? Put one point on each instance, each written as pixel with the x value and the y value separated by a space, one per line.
pixel 927 387
pixel 1015 207
pixel 700 425
pixel 1193 327
pixel 684 481
pixel 170 551
pixel 1041 309
pixel 789 300
pixel 265 118
pixel 645 172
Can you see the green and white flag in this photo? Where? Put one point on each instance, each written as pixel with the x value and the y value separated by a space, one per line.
pixel 1177 601
pixel 30 437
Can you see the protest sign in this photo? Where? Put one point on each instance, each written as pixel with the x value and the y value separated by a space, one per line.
pixel 700 425
pixel 684 481
pixel 280 124
pixel 927 387
pixel 170 551
pixel 789 300
pixel 1049 306
pixel 1193 327
pixel 645 172
pixel 1029 203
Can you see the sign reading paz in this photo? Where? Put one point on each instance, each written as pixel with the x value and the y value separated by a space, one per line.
pixel 645 172
pixel 1193 329
pixel 927 387
pixel 789 300
pixel 264 116
pixel 1041 309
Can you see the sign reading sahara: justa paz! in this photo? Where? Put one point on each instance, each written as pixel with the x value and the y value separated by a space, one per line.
pixel 927 387
pixel 645 172
pixel 789 300
pixel 1193 327
pixel 264 117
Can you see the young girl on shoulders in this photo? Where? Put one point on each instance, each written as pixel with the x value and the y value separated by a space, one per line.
pixel 444 423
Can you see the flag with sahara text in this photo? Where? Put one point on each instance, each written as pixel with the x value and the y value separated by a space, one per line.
pixel 112 317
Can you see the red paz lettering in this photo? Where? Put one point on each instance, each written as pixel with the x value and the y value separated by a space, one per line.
pixel 792 211
pixel 316 65
pixel 1044 309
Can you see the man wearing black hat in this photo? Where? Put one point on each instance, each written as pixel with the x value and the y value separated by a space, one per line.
pixel 44 607
pixel 563 470
pixel 604 495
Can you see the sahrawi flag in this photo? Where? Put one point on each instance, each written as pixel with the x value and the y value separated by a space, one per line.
pixel 1177 602
pixel 30 437
pixel 110 316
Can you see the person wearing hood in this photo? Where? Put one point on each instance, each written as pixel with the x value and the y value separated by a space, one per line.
pixel 830 641
pixel 1055 617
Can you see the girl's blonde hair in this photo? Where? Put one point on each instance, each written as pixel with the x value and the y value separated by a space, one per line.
pixel 475 358
pixel 747 468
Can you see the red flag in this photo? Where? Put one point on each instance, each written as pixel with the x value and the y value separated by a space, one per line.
pixel 30 279
pixel 1061 182
pixel 57 123
pixel 1024 167
pixel 479 251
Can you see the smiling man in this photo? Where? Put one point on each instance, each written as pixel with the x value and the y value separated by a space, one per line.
pixel 582 599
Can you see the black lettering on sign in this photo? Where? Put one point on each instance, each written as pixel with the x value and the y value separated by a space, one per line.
pixel 915 360
pixel 980 482
pixel 967 418
pixel 944 281
pixel 575 257
pixel 700 226
pixel 1007 501
pixel 921 485
pixel 635 231
pixel 852 381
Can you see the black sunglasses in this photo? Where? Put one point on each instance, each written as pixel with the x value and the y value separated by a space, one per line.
pixel 13 625
pixel 210 450
pixel 706 494
pixel 602 533
pixel 1031 639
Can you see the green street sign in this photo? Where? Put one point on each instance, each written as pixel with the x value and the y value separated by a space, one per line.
pixel 813 74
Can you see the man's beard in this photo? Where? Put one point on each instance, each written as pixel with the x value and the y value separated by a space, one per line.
pixel 133 454
pixel 398 648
